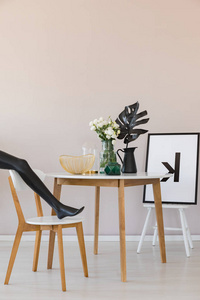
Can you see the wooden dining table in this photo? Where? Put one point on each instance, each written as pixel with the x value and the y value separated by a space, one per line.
pixel 120 182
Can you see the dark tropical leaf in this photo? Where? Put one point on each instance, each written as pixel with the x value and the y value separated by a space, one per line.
pixel 133 120
pixel 138 131
pixel 144 121
pixel 134 107
pixel 127 121
pixel 123 118
pixel 122 126
pixel 142 114
pixel 131 111
pixel 130 138
pixel 119 123
pixel 122 134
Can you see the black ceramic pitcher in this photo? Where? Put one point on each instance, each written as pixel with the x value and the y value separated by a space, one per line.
pixel 128 164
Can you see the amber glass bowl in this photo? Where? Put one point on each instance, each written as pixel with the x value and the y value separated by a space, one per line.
pixel 77 164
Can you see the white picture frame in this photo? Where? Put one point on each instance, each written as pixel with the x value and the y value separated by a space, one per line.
pixel 176 153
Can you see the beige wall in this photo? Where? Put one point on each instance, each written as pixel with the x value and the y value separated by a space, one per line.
pixel 65 62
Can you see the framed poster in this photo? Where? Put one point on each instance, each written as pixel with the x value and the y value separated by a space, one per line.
pixel 178 154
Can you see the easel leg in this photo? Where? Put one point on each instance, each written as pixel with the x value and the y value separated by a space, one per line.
pixel 144 230
pixel 185 238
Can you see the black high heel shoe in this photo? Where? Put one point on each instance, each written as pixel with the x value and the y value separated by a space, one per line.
pixel 67 211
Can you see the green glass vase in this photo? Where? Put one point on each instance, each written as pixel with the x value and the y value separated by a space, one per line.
pixel 107 155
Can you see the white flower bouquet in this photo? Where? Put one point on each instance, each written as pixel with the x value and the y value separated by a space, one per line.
pixel 106 129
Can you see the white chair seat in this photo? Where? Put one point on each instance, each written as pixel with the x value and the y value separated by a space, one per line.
pixel 53 220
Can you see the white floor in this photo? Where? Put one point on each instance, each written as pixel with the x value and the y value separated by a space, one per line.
pixel 147 277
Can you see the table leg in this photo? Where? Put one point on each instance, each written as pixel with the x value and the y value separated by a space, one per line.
pixel 159 217
pixel 122 229
pixel 96 221
pixel 57 193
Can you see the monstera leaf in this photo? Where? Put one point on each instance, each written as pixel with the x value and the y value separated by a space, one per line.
pixel 127 120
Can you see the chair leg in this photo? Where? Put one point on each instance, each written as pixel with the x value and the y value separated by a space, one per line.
pixel 79 230
pixel 61 257
pixel 144 230
pixel 13 254
pixel 36 250
pixel 51 249
pixel 184 232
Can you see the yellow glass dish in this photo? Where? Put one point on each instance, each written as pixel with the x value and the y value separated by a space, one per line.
pixel 77 164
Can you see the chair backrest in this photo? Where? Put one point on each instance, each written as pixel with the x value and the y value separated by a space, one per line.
pixel 17 184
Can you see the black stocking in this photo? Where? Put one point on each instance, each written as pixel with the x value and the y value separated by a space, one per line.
pixel 21 166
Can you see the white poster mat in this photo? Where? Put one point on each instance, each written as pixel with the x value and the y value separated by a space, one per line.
pixel 163 148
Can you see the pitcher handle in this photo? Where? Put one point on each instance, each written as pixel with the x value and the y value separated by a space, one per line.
pixel 119 155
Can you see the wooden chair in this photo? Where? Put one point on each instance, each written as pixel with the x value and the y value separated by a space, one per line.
pixel 39 224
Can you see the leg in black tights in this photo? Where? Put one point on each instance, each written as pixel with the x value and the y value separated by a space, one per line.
pixel 10 162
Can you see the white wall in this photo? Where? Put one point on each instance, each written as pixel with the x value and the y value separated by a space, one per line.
pixel 64 63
